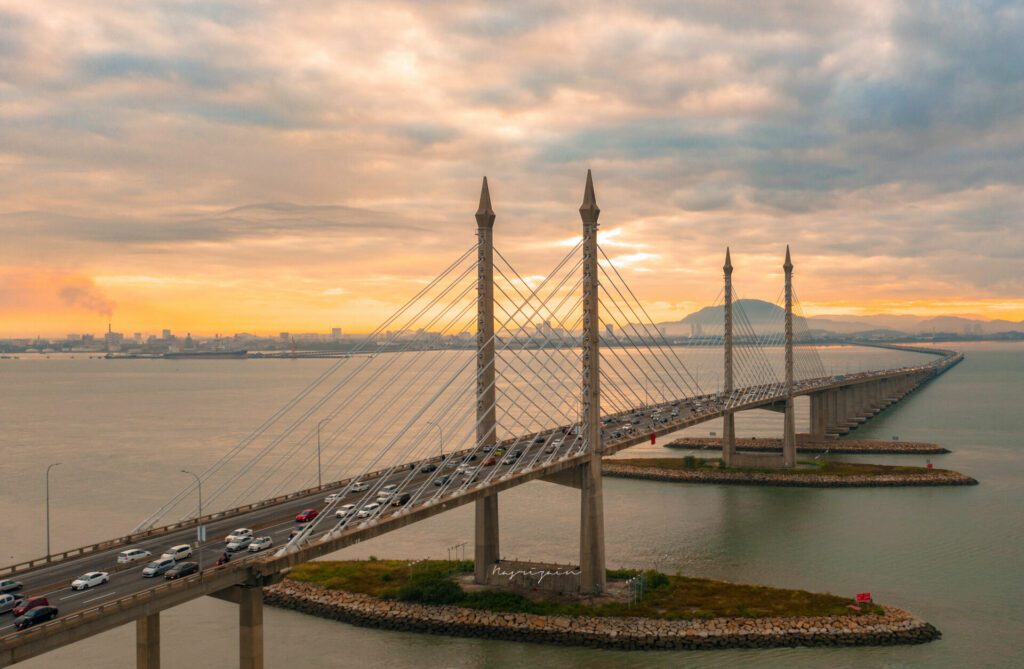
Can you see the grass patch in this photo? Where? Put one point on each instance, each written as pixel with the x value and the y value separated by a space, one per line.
pixel 812 467
pixel 666 597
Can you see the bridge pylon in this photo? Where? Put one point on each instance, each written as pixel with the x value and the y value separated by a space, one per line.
pixel 485 544
pixel 729 419
pixel 592 556
pixel 789 426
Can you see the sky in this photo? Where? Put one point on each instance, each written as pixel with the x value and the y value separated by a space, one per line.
pixel 262 166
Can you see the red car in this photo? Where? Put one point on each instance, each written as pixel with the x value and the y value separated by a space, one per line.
pixel 306 516
pixel 28 605
pixel 490 462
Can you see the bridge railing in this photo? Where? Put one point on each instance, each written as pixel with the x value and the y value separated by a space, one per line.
pixel 21 637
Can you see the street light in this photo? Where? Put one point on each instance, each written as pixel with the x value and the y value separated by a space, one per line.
pixel 440 433
pixel 48 508
pixel 319 474
pixel 199 484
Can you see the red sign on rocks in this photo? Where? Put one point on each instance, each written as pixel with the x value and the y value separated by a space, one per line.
pixel 863 597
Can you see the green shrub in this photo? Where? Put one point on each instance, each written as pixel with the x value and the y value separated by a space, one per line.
pixel 431 588
pixel 622 574
pixel 655 579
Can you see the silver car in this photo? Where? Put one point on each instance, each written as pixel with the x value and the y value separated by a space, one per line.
pixel 8 602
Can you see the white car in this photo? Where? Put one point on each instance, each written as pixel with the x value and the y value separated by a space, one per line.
pixel 178 553
pixel 132 555
pixel 390 488
pixel 333 496
pixel 157 567
pixel 239 544
pixel 238 534
pixel 345 511
pixel 260 543
pixel 359 486
pixel 368 510
pixel 383 496
pixel 90 579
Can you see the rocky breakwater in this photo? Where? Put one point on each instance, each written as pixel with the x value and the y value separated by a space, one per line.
pixel 805 445
pixel 894 627
pixel 792 479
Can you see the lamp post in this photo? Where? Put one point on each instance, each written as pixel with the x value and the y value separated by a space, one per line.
pixel 319 473
pixel 440 433
pixel 199 485
pixel 48 468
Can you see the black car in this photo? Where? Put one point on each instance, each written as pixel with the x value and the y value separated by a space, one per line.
pixel 40 614
pixel 427 468
pixel 539 439
pixel 401 500
pixel 440 481
pixel 181 569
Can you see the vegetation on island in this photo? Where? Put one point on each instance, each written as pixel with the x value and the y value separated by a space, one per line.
pixel 668 597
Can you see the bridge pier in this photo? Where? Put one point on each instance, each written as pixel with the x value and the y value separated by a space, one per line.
pixel 818 424
pixel 789 426
pixel 250 627
pixel 147 642
pixel 486 549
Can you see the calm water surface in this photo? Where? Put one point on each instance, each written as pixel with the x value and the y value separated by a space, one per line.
pixel 954 556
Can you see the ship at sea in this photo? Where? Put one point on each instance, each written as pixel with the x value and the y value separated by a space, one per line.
pixel 207 355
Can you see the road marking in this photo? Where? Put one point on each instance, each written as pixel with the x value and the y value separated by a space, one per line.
pixel 86 601
pixel 77 594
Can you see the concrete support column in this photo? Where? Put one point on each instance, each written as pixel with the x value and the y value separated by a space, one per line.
pixel 729 420
pixel 789 427
pixel 250 628
pixel 147 642
pixel 819 416
pixel 592 564
pixel 485 535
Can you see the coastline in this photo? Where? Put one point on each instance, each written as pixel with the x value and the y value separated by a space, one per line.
pixel 781 478
pixel 894 627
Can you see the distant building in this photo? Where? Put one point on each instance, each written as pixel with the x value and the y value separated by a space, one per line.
pixel 335 333
pixel 284 336
pixel 166 335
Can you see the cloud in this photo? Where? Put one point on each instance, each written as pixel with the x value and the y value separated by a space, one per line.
pixel 880 139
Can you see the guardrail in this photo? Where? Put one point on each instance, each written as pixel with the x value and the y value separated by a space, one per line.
pixel 21 637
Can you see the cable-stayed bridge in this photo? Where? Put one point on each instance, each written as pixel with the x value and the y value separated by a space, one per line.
pixel 564 369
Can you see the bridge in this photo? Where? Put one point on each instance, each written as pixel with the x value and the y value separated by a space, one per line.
pixel 565 369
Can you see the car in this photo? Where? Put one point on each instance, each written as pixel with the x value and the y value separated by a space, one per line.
pixel 260 543
pixel 90 580
pixel 368 510
pixel 157 567
pixel 452 464
pixel 182 569
pixel 9 601
pixel 306 516
pixel 238 545
pixel 178 553
pixel 499 452
pixel 29 604
pixel 389 488
pixel 132 555
pixel 36 616
pixel 296 532
pixel 635 421
pixel 471 476
pixel 442 480
pixel 469 458
pixel 345 511
pixel 359 486
pixel 401 500
pixel 539 439
pixel 489 462
pixel 9 585
pixel 427 468
pixel 238 534
pixel 332 497
pixel 462 469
